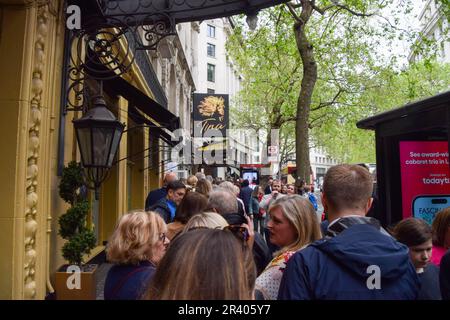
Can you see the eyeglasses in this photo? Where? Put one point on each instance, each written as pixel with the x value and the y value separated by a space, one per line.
pixel 240 232
pixel 162 237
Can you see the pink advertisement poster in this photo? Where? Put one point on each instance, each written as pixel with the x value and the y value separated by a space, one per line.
pixel 425 178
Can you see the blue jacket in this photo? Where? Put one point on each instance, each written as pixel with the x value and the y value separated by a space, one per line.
pixel 339 268
pixel 162 208
pixel 312 198
pixel 128 282
pixel 154 196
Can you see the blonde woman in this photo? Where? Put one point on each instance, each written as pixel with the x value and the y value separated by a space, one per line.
pixel 292 225
pixel 205 264
pixel 135 248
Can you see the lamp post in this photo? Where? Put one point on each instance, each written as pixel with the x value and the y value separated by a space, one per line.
pixel 98 135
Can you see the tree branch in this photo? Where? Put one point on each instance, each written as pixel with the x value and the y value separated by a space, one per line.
pixel 311 123
pixel 359 14
pixel 329 103
pixel 293 13
pixel 322 10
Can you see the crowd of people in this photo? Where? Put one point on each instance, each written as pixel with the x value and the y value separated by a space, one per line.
pixel 204 238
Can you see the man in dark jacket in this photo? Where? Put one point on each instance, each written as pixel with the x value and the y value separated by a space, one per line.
pixel 154 196
pixel 357 259
pixel 223 202
pixel 246 194
pixel 167 206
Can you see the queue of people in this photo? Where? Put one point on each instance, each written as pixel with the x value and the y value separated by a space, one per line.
pixel 210 239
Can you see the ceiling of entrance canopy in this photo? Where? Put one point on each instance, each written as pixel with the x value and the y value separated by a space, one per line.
pixel 133 12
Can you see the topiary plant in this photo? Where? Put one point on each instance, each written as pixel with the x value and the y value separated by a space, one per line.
pixel 73 225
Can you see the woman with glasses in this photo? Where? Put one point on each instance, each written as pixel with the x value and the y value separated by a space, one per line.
pixel 205 264
pixel 135 248
pixel 292 225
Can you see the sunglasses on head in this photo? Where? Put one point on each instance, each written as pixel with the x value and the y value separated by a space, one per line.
pixel 238 231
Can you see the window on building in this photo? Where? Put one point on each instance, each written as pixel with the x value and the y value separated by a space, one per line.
pixel 211 50
pixel 211 31
pixel 210 91
pixel 211 72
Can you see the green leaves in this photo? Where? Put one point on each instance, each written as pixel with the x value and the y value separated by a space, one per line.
pixel 74 220
pixel 360 64
pixel 73 224
pixel 71 181
pixel 388 89
pixel 80 244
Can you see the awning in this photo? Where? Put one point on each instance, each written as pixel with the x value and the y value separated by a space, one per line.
pixel 154 129
pixel 159 117
pixel 158 114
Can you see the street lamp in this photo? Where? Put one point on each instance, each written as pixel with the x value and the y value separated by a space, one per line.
pixel 98 135
pixel 252 20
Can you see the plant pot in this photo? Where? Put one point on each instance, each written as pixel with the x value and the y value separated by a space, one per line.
pixel 73 283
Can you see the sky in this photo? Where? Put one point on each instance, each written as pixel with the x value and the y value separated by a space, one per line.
pixel 408 22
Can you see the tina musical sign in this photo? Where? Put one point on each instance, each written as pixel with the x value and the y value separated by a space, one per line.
pixel 210 114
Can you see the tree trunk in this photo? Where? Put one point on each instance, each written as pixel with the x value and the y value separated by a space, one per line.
pixel 304 100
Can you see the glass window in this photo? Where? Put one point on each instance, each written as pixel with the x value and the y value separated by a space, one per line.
pixel 211 31
pixel 211 72
pixel 210 91
pixel 211 50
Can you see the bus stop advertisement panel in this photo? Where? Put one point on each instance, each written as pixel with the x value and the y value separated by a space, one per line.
pixel 425 178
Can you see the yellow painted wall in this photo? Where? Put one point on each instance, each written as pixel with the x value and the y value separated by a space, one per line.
pixel 110 202
pixel 30 53
pixel 31 49
pixel 10 107
pixel 153 170
pixel 109 208
pixel 136 163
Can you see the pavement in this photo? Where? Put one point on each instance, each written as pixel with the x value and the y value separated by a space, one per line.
pixel 100 276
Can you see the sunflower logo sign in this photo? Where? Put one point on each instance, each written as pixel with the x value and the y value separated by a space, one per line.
pixel 210 113
pixel 211 105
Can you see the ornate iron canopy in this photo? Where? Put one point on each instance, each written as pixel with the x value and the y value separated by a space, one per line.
pixel 135 24
pixel 104 48
pixel 157 18
pixel 181 10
